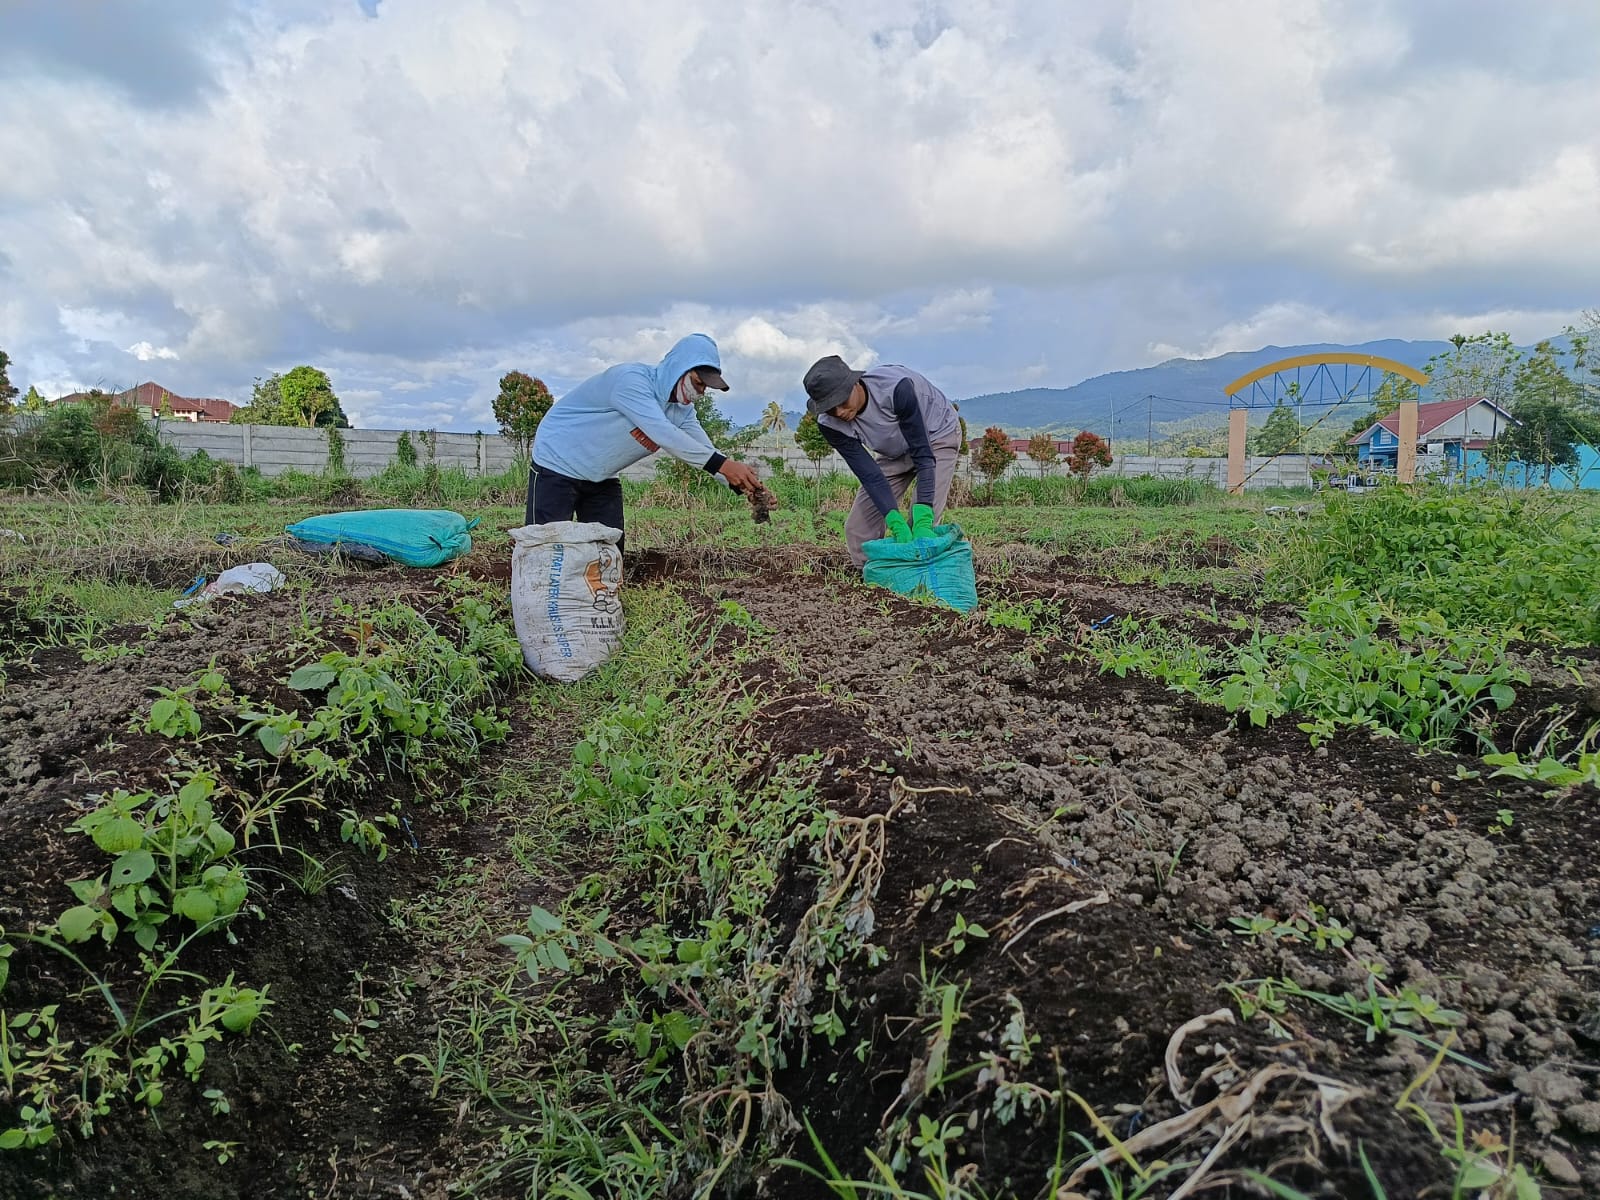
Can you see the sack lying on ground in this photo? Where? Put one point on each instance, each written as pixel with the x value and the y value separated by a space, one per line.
pixel 417 537
pixel 939 567
pixel 251 577
pixel 566 583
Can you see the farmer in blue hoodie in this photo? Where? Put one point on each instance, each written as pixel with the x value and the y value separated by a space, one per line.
pixel 610 422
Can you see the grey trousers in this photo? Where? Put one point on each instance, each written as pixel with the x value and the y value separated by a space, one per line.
pixel 864 524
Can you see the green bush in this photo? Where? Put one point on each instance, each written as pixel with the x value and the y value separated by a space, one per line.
pixel 1346 666
pixel 99 444
pixel 1143 491
pixel 1527 563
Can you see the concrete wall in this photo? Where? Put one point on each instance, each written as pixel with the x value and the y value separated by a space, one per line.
pixel 276 449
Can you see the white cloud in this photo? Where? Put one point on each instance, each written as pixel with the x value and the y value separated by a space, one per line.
pixel 145 352
pixel 425 197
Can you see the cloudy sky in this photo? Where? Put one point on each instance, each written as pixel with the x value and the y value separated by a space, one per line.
pixel 418 196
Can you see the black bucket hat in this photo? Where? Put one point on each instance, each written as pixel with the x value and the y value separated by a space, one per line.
pixel 828 384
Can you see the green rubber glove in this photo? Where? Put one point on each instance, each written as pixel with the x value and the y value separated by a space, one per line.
pixel 896 524
pixel 921 521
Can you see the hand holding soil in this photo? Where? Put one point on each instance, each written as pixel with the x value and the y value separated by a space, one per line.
pixel 762 502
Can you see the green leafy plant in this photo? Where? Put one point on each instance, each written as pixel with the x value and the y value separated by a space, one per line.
pixel 1350 664
pixel 173 857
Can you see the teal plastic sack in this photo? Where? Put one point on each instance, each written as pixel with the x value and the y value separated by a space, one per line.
pixel 940 567
pixel 417 537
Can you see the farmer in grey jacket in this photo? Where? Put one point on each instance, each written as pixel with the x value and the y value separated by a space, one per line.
pixel 891 426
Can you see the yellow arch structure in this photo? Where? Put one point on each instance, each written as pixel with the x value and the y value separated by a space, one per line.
pixel 1338 356
pixel 1406 466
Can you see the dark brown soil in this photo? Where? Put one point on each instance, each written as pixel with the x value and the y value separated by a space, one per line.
pixel 1110 831
pixel 303 1120
pixel 1056 785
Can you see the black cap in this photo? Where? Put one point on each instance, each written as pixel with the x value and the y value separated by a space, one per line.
pixel 829 383
pixel 712 378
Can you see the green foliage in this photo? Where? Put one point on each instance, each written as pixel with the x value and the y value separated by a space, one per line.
pixel 1526 563
pixel 519 407
pixel 172 859
pixel 404 693
pixel 301 397
pixel 1281 433
pixel 711 991
pixel 1552 418
pixel 1139 491
pixel 1578 766
pixel 1484 364
pixel 810 440
pixel 336 450
pixel 306 398
pixel 1351 664
pixel 8 391
pixel 98 442
pixel 405 450
pixel 993 455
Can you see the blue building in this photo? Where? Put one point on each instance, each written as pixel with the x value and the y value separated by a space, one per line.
pixel 1451 434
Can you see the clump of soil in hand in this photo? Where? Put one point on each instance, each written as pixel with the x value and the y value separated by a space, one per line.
pixel 762 502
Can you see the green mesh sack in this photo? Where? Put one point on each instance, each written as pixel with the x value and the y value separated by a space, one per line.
pixel 939 567
pixel 417 537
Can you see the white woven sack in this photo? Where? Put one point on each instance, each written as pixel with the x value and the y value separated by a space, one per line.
pixel 566 583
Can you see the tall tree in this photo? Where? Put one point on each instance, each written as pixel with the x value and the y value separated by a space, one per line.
pixel 808 436
pixel 772 418
pixel 8 392
pixel 1552 420
pixel 1484 364
pixel 520 406
pixel 264 405
pixel 1044 451
pixel 33 401
pixel 1585 342
pixel 1281 433
pixel 1547 434
pixel 301 397
pixel 305 396
pixel 810 440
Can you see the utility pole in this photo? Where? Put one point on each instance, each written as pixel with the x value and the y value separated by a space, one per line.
pixel 1149 426
pixel 1111 432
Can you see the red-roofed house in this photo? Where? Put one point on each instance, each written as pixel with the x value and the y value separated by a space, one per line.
pixel 1448 431
pixel 1019 445
pixel 153 400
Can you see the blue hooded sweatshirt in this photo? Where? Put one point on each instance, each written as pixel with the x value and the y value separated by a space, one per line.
pixel 625 413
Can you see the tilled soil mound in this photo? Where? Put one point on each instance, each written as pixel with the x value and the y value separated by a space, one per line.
pixel 1111 832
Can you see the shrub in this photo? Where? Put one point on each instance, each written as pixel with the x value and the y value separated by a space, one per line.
pixel 993 455
pixel 1524 562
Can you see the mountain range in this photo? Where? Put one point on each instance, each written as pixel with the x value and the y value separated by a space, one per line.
pixel 1190 390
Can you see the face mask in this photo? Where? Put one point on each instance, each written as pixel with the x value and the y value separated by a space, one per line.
pixel 685 392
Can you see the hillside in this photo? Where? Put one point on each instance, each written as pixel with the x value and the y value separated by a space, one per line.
pixel 1179 390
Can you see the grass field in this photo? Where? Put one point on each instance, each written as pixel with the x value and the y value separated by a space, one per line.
pixel 1220 851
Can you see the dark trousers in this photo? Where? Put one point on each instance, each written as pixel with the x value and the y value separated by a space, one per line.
pixel 553 497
